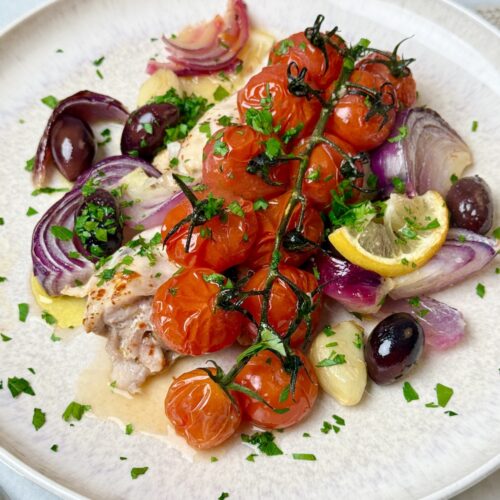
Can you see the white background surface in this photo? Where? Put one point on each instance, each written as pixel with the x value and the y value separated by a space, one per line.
pixel 15 487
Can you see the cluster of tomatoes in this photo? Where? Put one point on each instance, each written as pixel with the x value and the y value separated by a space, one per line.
pixel 234 223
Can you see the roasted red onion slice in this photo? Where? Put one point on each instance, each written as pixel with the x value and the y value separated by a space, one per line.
pixel 357 289
pixel 426 158
pixel 444 326
pixel 463 254
pixel 85 105
pixel 52 265
pixel 207 48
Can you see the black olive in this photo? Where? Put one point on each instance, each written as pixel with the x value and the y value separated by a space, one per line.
pixel 98 225
pixel 470 203
pixel 393 347
pixel 72 146
pixel 145 128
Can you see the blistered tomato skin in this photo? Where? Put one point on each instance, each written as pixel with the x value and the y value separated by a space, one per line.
pixel 353 118
pixel 323 172
pixel 471 205
pixel 268 222
pixel 228 176
pixel 200 410
pixel 145 127
pixel 72 146
pixel 393 347
pixel 186 318
pixel 265 375
pixel 283 304
pixel 270 87
pixel 297 48
pixel 220 243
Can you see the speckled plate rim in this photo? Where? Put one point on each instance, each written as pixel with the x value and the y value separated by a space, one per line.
pixel 24 470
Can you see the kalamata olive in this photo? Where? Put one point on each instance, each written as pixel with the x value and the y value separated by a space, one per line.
pixel 98 225
pixel 470 203
pixel 72 145
pixel 145 127
pixel 393 347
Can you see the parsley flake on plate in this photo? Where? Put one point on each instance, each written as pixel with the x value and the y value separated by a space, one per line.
pixel 38 419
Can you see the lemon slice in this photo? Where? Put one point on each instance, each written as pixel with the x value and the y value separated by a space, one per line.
pixel 410 232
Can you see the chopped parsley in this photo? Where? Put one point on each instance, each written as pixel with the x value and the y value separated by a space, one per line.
pixel 55 338
pixel 332 360
pixel 223 495
pixel 251 457
pixel 313 175
pixel 338 420
pixel 129 429
pixel 474 125
pixel 260 204
pixel 292 132
pixel 48 318
pixel 18 386
pixel 50 101
pixel 450 413
pixel 453 178
pixel 48 190
pixel 38 418
pixel 31 211
pixel 23 310
pixel 135 472
pixel 328 331
pixel 106 134
pixel 99 74
pixel 399 185
pixel 443 394
pixel 409 392
pixel 480 290
pixel 75 411
pixel 235 208
pixel 261 120
pixel 61 233
pixel 205 129
pixel 402 134
pixel 30 165
pixel 224 121
pixel 99 61
pixel 264 442
pixel 214 459
pixel 220 93
pixel 191 108
pixel 273 148
pixel 5 338
pixel 358 341
pixel 3 279
pixel 220 148
pixel 282 47
pixel 55 448
pixel 496 233
pixel 306 435
pixel 304 456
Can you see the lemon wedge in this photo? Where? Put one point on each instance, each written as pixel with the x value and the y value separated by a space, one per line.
pixel 408 234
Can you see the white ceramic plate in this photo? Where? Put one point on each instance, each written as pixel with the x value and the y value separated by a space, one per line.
pixel 389 448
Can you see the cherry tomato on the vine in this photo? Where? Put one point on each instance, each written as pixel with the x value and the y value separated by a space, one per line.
pixel 186 317
pixel 298 49
pixel 222 242
pixel 404 83
pixel 283 304
pixel 361 120
pixel 265 375
pixel 225 171
pixel 269 90
pixel 323 172
pixel 201 410
pixel 268 221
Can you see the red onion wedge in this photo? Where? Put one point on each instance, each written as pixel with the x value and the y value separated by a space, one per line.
pixel 425 158
pixel 86 106
pixel 209 47
pixel 463 254
pixel 357 289
pixel 444 326
pixel 52 265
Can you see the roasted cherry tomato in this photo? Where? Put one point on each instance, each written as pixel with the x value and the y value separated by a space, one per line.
pixel 364 121
pixel 269 89
pixel 298 49
pixel 186 317
pixel 223 241
pixel 226 172
pixel 269 220
pixel 401 78
pixel 201 410
pixel 265 375
pixel 283 304
pixel 323 172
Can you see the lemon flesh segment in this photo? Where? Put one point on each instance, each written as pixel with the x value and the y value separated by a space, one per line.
pixel 411 232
